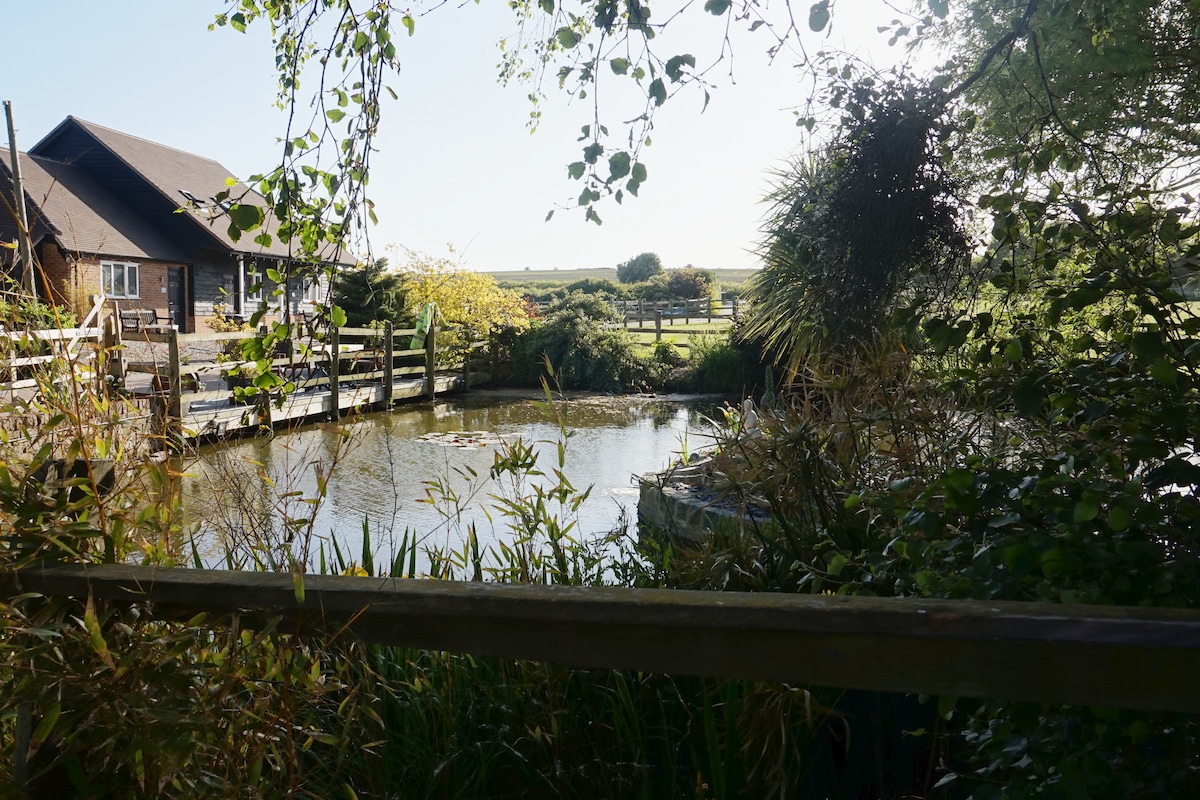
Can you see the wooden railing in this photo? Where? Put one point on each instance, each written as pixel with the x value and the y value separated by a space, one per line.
pixel 22 351
pixel 1093 655
pixel 649 316
pixel 347 368
pixel 637 313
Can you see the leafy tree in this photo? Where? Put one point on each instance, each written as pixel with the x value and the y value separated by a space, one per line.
pixel 1061 134
pixel 472 300
pixel 369 294
pixel 639 268
pixel 690 283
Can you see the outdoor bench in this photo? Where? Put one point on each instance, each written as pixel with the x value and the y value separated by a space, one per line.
pixel 140 320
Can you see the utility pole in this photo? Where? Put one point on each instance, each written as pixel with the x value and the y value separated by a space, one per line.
pixel 26 246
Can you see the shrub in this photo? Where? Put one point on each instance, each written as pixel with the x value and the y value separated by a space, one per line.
pixel 369 295
pixel 718 365
pixel 653 289
pixel 20 311
pixel 690 283
pixel 596 286
pixel 582 352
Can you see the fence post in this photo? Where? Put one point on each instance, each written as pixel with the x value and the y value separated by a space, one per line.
pixel 335 365
pixel 431 359
pixel 492 359
pixel 687 311
pixel 467 364
pixel 174 392
pixel 388 374
pixel 658 325
pixel 114 354
pixel 735 305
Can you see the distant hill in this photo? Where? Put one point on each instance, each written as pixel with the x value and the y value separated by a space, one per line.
pixel 564 276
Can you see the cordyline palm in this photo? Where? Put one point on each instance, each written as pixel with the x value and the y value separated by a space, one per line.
pixel 853 232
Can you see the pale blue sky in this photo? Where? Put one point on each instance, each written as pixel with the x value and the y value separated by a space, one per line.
pixel 456 162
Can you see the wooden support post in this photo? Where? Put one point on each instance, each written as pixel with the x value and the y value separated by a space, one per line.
pixel 113 351
pixel 388 369
pixel 658 324
pixel 493 357
pixel 431 359
pixel 735 305
pixel 335 367
pixel 174 427
pixel 687 311
pixel 467 366
pixel 24 240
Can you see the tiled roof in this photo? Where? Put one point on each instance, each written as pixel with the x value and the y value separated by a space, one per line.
pixel 64 201
pixel 173 172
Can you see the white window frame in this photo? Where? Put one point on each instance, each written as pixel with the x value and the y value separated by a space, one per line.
pixel 317 292
pixel 253 276
pixel 129 273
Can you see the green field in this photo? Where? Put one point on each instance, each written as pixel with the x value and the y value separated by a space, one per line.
pixel 726 276
pixel 681 335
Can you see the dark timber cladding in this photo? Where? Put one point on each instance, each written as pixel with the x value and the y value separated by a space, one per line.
pixel 1094 655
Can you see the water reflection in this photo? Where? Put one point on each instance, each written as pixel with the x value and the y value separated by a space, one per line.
pixel 378 470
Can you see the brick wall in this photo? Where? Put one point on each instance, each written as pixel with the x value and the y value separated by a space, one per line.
pixel 55 277
pixel 152 284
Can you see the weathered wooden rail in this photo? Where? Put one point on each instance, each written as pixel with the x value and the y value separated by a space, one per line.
pixel 649 316
pixel 24 350
pixel 669 311
pixel 1090 655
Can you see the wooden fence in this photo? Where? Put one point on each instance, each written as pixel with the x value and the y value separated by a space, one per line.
pixel 1091 655
pixel 638 312
pixel 649 316
pixel 23 351
pixel 349 368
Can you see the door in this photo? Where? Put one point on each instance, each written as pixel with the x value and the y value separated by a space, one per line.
pixel 176 298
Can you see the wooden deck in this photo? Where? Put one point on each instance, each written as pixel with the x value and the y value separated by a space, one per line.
pixel 350 369
pixel 220 415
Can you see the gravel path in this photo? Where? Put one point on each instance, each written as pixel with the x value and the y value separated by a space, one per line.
pixel 143 352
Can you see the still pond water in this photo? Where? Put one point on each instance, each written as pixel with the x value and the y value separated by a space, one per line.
pixel 379 468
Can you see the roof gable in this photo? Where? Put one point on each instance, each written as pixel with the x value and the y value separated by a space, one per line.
pixel 164 174
pixel 66 202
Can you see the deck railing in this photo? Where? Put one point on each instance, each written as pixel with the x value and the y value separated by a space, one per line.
pixel 1107 656
pixel 23 351
pixel 347 368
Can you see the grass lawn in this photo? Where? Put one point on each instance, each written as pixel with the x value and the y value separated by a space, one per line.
pixel 681 334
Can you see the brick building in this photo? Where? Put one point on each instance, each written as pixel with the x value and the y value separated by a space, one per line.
pixel 138 222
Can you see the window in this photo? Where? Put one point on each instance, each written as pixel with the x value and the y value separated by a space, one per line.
pixel 119 279
pixel 317 292
pixel 254 284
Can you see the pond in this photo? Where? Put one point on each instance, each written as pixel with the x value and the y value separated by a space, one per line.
pixel 383 471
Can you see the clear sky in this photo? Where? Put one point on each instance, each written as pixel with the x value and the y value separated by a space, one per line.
pixel 456 163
